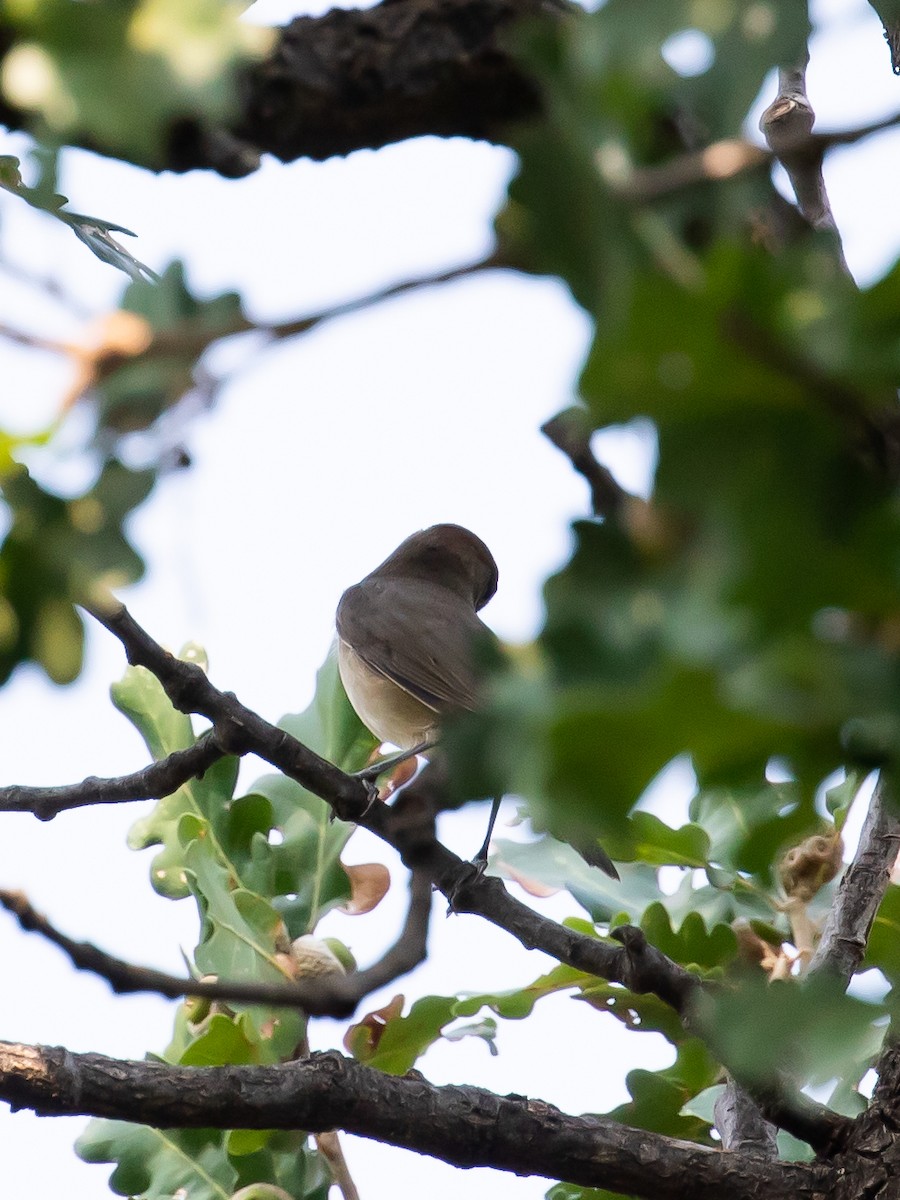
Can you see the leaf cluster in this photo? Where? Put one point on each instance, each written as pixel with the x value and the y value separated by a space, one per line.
pixel 263 869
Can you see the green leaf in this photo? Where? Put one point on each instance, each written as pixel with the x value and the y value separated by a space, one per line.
pixel 838 799
pixel 692 944
pixel 549 863
pixel 401 1040
pixel 883 947
pixel 572 1191
pixel 659 1098
pixel 222 1041
pixel 198 808
pixel 553 864
pixel 155 1164
pixel 307 876
pixel 203 1164
pixel 134 392
pixel 703 1104
pixel 749 827
pixel 658 844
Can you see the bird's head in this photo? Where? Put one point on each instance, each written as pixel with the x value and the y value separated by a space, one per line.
pixel 450 555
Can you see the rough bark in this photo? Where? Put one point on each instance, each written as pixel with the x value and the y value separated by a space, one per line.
pixel 465 1126
pixel 741 1124
pixel 353 79
pixel 849 922
pixel 870 1168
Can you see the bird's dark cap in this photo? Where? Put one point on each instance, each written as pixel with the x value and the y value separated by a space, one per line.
pixel 448 554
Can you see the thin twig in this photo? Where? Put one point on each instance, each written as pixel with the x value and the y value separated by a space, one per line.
pixel 325 995
pixel 730 157
pixel 194 336
pixel 570 432
pixel 151 783
pixel 51 287
pixel 786 125
pixel 33 341
pixel 329 1144
pixel 288 329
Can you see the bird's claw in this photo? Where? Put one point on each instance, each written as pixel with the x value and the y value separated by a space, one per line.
pixel 470 874
pixel 371 797
pixel 368 775
pixel 376 769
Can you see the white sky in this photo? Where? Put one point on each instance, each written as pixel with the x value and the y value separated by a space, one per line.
pixel 317 460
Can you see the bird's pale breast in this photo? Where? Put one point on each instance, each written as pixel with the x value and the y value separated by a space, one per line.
pixel 391 713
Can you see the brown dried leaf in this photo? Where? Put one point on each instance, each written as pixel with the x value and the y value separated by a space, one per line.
pixel 361 1039
pixel 369 883
pixel 398 778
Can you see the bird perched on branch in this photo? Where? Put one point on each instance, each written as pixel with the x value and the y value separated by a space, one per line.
pixel 406 643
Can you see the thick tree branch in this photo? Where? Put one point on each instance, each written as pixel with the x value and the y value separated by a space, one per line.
pixel 152 783
pixel 886 1096
pixel 465 1126
pixel 360 79
pixel 324 995
pixel 846 932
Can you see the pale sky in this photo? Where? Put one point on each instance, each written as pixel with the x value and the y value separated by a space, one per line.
pixel 336 447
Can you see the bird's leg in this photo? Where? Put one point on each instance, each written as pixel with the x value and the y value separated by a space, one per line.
pixel 369 774
pixel 480 859
pixel 477 866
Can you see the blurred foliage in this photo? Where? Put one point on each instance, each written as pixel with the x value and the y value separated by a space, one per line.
pixel 811 1030
pixel 124 74
pixel 130 369
pixel 263 869
pixel 136 381
pixel 54 552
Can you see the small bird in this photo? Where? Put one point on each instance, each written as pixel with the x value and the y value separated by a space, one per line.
pixel 406 642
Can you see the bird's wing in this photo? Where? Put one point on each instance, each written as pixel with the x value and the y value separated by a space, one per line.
pixel 417 634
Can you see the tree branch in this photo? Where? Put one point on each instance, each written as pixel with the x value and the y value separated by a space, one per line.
pixel 465 1126
pixel 741 1125
pixel 730 157
pixel 849 921
pixel 323 995
pixel 151 783
pixel 570 432
pixel 787 127
pixel 359 79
